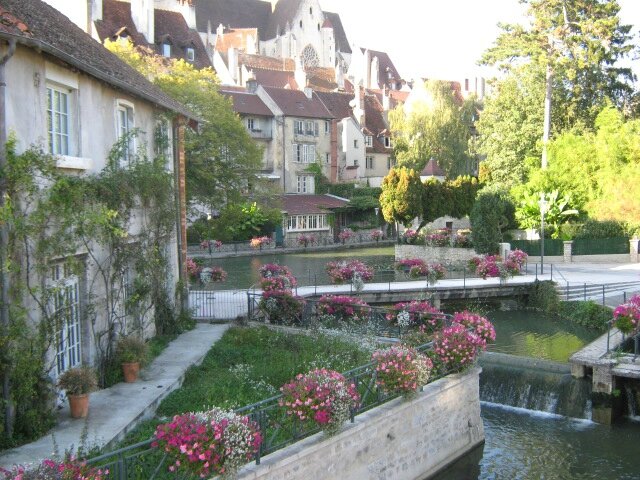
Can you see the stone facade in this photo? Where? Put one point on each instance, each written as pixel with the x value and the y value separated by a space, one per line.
pixel 435 254
pixel 403 439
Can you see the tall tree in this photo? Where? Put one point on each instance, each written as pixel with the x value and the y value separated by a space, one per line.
pixel 577 44
pixel 436 126
pixel 401 197
pixel 222 159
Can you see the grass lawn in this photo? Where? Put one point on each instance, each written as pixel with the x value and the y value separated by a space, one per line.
pixel 248 365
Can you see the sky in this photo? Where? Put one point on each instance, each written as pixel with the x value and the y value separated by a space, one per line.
pixel 440 39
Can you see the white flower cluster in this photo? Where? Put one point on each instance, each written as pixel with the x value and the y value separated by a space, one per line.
pixel 404 319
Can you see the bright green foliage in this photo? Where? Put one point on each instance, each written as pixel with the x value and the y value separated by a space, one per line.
pixel 558 212
pixel 401 197
pixel 436 200
pixel 222 159
pixel 437 127
pixel 491 215
pixel 464 190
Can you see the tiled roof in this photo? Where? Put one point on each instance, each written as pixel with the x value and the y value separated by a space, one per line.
pixel 432 169
pixel 284 12
pixel 342 44
pixel 168 25
pixel 322 78
pixel 375 122
pixel 247 103
pixel 295 103
pixel 12 25
pixel 337 103
pixel 235 38
pixel 274 78
pixel 52 33
pixel 262 61
pixel 305 204
pixel 233 14
pixel 387 72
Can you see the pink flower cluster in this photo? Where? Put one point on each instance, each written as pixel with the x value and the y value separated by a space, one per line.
pixel 68 469
pixel 419 313
pixel 401 369
pixel 487 266
pixel 306 240
pixel 518 257
pixel 207 244
pixel 456 346
pixel 278 301
pixel 341 272
pixel 626 317
pixel 437 239
pixel 218 274
pixel 494 266
pixel 208 443
pixel 480 325
pixel 377 235
pixel 343 307
pixel 259 242
pixel 276 277
pixel 461 240
pixel 408 263
pixel 346 234
pixel 193 269
pixel 322 396
pixel 410 236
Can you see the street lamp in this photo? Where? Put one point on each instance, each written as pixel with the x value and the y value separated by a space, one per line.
pixel 543 209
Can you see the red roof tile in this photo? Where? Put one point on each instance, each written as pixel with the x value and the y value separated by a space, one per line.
pixel 11 24
pixel 387 73
pixel 305 204
pixel 237 38
pixel 375 122
pixel 295 103
pixel 322 78
pixel 337 103
pixel 275 78
pixel 270 63
pixel 247 103
pixel 432 169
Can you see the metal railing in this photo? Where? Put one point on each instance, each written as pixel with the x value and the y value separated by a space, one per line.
pixel 142 461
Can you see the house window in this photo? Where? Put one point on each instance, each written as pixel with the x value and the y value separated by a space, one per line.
pixel 58 120
pixel 65 306
pixel 166 49
pixel 191 54
pixel 327 126
pixel 125 126
pixel 356 162
pixel 253 124
pixel 327 158
pixel 369 163
pixel 390 163
pixel 311 128
pixel 162 141
pixel 386 141
pixel 304 153
pixel 368 141
pixel 307 222
pixel 305 184
pixel 355 144
pixel 298 127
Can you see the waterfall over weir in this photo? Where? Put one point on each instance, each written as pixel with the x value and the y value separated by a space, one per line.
pixel 545 390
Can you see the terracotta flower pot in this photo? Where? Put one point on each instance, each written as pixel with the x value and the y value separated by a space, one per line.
pixel 79 405
pixel 131 371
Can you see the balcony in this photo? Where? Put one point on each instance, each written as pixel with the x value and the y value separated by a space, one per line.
pixel 260 134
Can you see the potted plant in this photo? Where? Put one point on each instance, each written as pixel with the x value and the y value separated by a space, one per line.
pixel 131 352
pixel 78 383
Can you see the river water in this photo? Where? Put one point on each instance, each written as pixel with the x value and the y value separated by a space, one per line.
pixel 520 443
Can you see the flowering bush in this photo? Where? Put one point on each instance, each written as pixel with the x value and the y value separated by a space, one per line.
pixel 306 240
pixel 494 266
pixel 461 240
pixel 406 314
pixel 407 263
pixel 433 272
pixel 321 396
pixel 626 317
pixel 410 236
pixel 341 272
pixel 208 443
pixel 480 325
pixel 259 242
pixel 67 469
pixel 193 269
pixel 437 239
pixel 488 266
pixel 456 346
pixel 518 257
pixel 346 235
pixel 281 306
pixel 377 235
pixel 401 369
pixel 213 274
pixel 205 244
pixel 276 277
pixel 343 308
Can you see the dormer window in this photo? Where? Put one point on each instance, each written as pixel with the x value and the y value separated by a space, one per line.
pixel 368 140
pixel 166 49
pixel 191 54
pixel 386 141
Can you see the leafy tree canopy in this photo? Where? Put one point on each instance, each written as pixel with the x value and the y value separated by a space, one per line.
pixel 401 197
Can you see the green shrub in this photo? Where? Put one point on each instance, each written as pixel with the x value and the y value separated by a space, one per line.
pixel 543 296
pixel 588 314
pixel 601 229
pixel 492 214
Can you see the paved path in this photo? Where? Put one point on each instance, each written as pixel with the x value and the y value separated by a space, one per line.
pixel 116 410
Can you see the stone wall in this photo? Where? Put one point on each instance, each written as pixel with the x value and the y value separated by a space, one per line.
pixel 435 254
pixel 403 439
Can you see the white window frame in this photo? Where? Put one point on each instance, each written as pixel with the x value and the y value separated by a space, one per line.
pixel 305 184
pixel 386 141
pixel 355 143
pixel 65 308
pixel 327 126
pixel 165 49
pixel 298 127
pixel 59 120
pixel 369 163
pixel 368 140
pixel 125 124
pixel 190 54
pixel 304 153
pixel 164 127
pixel 298 223
pixel 327 158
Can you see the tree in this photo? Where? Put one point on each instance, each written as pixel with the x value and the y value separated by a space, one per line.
pixel 438 126
pixel 577 45
pixel 401 197
pixel 222 159
pixel 491 215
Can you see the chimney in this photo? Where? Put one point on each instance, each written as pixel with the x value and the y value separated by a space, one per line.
pixel 308 91
pixel 299 74
pixel 142 15
pixel 252 83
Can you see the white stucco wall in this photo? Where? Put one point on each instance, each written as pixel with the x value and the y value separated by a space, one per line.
pixel 350 152
pixel 400 440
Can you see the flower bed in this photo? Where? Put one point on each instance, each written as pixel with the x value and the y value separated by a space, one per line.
pixel 346 234
pixel 212 274
pixel 259 242
pixel 321 396
pixel 67 469
pixel 278 302
pixel 341 272
pixel 626 317
pixel 342 308
pixel 416 313
pixel 401 369
pixel 208 443
pixel 306 240
pixel 276 277
pixel 495 266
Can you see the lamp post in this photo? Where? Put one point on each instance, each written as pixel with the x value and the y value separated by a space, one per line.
pixel 543 209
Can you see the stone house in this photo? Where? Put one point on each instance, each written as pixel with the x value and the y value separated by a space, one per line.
pixel 68 95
